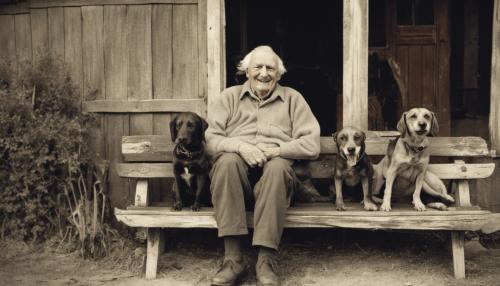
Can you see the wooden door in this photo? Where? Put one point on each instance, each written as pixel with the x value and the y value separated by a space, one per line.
pixel 421 47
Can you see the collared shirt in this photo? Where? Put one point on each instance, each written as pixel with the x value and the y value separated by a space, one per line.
pixel 283 119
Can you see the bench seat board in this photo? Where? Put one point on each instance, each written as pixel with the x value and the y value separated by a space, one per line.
pixel 318 216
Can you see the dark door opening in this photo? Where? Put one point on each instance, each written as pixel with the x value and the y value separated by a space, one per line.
pixel 308 37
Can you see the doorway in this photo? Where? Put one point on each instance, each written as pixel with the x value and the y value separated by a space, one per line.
pixel 308 37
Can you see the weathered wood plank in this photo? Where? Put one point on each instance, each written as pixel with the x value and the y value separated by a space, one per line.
pixel 144 170
pixel 93 68
pixel 56 31
pixel 73 45
pixel 144 106
pixel 78 3
pixel 202 50
pixel 185 51
pixel 452 146
pixel 141 193
pixel 162 64
pixel 162 38
pixel 494 121
pixel 355 64
pixel 321 169
pixel 458 252
pixel 214 50
pixel 7 37
pixel 39 33
pixel 154 246
pixel 139 81
pixel 23 37
pixel 316 216
pixel 115 62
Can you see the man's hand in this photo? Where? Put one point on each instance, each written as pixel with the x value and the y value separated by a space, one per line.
pixel 269 150
pixel 252 155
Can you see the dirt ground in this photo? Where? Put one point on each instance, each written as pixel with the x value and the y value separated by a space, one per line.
pixel 308 257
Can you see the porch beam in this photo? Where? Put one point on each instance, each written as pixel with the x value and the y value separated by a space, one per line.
pixel 495 83
pixel 355 64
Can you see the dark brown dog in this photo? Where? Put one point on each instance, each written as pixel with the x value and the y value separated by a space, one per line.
pixel 352 166
pixel 191 164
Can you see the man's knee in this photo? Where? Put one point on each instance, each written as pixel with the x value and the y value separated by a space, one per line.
pixel 228 163
pixel 278 167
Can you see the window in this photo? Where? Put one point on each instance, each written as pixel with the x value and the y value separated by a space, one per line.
pixel 415 12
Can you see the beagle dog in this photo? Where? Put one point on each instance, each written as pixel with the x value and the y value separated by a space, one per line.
pixel 352 166
pixel 405 165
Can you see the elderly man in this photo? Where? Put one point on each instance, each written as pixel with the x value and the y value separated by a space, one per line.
pixel 256 131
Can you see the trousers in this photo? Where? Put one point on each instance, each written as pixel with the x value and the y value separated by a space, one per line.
pixel 235 187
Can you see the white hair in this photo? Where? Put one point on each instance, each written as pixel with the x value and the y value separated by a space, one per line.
pixel 245 62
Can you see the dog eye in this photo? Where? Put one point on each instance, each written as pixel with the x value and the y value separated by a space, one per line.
pixel 427 116
pixel 357 137
pixel 190 124
pixel 343 138
pixel 413 116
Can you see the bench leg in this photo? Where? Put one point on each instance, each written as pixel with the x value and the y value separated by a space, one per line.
pixel 155 248
pixel 457 248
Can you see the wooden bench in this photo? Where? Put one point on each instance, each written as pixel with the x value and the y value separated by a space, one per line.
pixel 150 157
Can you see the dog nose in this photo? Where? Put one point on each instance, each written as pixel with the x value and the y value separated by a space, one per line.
pixel 422 125
pixel 351 150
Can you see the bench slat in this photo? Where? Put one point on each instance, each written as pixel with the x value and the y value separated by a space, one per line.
pixel 145 170
pixel 318 216
pixel 321 169
pixel 158 148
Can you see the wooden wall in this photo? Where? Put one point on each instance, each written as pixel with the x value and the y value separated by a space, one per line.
pixel 151 50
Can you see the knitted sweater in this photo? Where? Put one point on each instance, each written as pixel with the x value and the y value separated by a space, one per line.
pixel 283 119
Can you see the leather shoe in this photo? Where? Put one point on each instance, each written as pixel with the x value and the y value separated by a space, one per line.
pixel 228 273
pixel 267 270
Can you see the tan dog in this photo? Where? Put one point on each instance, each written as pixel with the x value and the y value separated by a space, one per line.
pixel 405 164
pixel 352 166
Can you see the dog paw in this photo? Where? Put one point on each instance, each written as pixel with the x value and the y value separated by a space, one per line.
pixel 340 206
pixel 386 207
pixel 448 198
pixel 177 206
pixel 196 207
pixel 419 206
pixel 369 206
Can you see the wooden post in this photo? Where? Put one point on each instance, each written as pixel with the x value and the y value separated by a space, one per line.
pixel 495 83
pixel 215 54
pixel 462 199
pixel 153 252
pixel 355 73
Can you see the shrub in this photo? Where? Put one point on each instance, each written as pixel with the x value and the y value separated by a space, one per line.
pixel 45 161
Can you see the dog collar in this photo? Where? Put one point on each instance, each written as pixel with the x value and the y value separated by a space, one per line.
pixel 181 150
pixel 414 149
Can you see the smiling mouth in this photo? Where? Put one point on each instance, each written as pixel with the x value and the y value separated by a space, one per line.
pixel 421 132
pixel 352 160
pixel 263 80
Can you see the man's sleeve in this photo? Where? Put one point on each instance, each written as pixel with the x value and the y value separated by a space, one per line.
pixel 305 132
pixel 218 116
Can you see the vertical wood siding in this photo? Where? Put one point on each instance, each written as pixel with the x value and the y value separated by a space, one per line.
pixel 118 52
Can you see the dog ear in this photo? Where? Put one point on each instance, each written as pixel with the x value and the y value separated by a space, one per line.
pixel 334 135
pixel 363 134
pixel 402 128
pixel 173 129
pixel 204 126
pixel 434 125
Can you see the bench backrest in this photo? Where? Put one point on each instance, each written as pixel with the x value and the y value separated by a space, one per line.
pixel 140 151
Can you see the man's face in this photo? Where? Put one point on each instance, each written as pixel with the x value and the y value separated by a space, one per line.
pixel 263 72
